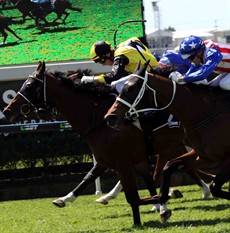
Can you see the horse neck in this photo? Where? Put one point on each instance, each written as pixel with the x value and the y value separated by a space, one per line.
pixel 80 108
pixel 185 106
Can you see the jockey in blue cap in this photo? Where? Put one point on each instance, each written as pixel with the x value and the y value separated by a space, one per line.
pixel 206 57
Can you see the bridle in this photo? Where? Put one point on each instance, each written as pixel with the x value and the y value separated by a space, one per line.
pixel 132 107
pixel 25 109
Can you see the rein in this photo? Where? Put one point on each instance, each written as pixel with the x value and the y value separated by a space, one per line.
pixel 132 107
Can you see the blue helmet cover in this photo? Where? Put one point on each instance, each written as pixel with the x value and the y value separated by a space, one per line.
pixel 190 45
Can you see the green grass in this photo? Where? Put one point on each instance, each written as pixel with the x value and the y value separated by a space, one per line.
pixel 190 214
pixel 73 40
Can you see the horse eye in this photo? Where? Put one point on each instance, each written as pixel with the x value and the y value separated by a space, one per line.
pixel 28 84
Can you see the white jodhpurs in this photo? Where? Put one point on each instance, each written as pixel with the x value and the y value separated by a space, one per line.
pixel 225 82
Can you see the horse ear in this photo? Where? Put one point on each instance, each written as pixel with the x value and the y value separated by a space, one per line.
pixel 39 66
pixel 142 71
pixel 43 67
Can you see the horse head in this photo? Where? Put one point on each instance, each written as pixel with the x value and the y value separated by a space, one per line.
pixel 122 107
pixel 30 98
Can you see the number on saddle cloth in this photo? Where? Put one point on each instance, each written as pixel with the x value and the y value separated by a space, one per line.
pixel 159 119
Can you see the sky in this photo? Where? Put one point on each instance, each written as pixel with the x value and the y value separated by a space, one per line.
pixel 188 14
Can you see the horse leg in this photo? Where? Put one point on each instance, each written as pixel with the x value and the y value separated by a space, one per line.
pixel 111 195
pixel 204 187
pixel 128 181
pixel 43 18
pixel 169 168
pixel 94 173
pixel 222 177
pixel 10 30
pixel 146 171
pixel 143 169
pixel 66 15
pixel 58 17
pixel 4 34
pixel 207 177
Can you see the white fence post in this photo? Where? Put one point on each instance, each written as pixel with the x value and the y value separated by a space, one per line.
pixel 97 181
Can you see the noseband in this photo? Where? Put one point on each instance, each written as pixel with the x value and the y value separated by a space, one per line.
pixel 132 107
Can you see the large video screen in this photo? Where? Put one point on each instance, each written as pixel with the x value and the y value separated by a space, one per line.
pixel 87 22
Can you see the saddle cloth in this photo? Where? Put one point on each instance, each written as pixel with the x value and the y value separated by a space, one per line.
pixel 159 118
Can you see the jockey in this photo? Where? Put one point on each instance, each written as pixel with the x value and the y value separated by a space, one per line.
pixel 41 2
pixel 170 59
pixel 206 57
pixel 123 59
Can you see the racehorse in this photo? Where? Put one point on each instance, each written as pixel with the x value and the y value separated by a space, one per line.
pixel 84 106
pixel 60 7
pixel 24 6
pixel 204 114
pixel 39 11
pixel 4 26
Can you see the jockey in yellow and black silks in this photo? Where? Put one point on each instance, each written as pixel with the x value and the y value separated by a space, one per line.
pixel 123 59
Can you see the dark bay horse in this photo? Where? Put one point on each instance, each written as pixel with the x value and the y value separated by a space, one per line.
pixel 204 113
pixel 39 11
pixel 60 7
pixel 4 26
pixel 84 106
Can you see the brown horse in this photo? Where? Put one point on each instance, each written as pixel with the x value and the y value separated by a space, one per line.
pixel 84 106
pixel 204 113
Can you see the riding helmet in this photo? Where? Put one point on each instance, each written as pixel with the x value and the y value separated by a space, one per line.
pixel 100 49
pixel 190 46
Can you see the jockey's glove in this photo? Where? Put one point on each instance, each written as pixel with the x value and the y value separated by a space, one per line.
pixel 175 76
pixel 87 79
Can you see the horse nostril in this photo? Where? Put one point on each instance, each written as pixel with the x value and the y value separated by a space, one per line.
pixel 8 115
pixel 6 112
pixel 111 121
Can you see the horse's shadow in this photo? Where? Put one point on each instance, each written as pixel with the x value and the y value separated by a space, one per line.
pixel 9 44
pixel 56 30
pixel 219 207
pixel 16 43
pixel 169 225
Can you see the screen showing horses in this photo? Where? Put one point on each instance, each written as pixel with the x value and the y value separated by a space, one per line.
pixel 63 30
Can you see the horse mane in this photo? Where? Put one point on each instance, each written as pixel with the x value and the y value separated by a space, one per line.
pixel 72 79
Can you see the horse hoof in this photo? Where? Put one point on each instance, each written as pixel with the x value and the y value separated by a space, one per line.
pixel 102 201
pixel 175 193
pixel 59 203
pixel 206 195
pixel 156 208
pixel 165 215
